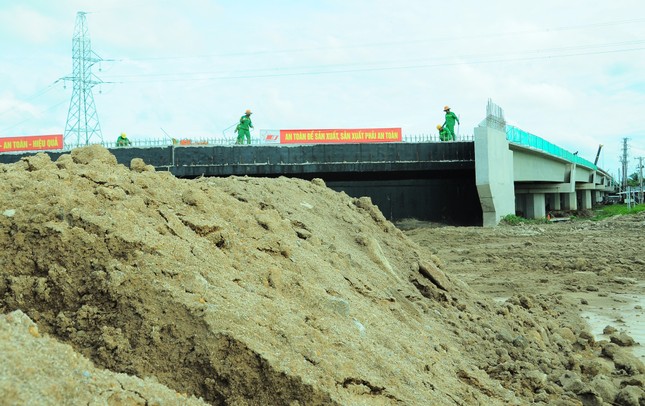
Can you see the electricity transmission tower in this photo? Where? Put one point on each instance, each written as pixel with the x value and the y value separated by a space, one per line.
pixel 82 119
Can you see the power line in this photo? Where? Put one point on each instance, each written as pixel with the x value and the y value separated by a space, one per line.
pixel 458 57
pixel 373 69
pixel 35 95
pixel 31 118
pixel 391 43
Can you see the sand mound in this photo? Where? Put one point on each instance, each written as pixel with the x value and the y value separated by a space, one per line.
pixel 268 291
pixel 37 370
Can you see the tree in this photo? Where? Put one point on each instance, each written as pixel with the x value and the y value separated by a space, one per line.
pixel 633 180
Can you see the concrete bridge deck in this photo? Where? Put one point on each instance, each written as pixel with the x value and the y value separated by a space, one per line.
pixel 465 183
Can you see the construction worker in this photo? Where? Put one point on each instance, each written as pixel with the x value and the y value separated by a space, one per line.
pixel 444 134
pixel 123 141
pixel 449 123
pixel 243 128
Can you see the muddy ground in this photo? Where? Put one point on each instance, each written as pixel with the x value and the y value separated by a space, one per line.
pixel 597 266
pixel 121 285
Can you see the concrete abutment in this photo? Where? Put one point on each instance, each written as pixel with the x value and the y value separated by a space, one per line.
pixel 494 175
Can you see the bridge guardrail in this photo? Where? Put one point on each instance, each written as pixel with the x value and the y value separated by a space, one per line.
pixel 521 137
pixel 184 142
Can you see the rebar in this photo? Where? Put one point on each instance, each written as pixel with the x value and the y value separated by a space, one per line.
pixel 495 116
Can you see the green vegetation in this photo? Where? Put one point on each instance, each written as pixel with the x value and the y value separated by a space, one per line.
pixel 617 210
pixel 513 220
pixel 599 214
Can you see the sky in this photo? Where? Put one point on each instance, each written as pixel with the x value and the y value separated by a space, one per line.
pixel 569 72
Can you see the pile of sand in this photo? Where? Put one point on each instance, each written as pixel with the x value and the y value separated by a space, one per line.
pixel 259 291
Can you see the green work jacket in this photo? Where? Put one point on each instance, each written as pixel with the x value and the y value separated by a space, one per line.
pixel 122 142
pixel 245 123
pixel 444 134
pixel 450 120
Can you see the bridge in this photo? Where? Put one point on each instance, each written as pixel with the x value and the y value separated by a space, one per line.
pixel 463 182
pixel 518 171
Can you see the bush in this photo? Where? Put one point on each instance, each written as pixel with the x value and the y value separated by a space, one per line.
pixel 617 210
pixel 513 220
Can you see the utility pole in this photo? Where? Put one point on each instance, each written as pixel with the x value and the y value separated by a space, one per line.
pixel 640 179
pixel 623 160
pixel 82 119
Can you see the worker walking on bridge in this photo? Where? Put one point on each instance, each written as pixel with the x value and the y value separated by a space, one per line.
pixel 449 123
pixel 243 128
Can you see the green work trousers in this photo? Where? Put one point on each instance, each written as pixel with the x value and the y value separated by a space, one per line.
pixel 243 134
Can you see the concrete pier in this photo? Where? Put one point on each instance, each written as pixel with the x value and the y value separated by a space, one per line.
pixel 494 175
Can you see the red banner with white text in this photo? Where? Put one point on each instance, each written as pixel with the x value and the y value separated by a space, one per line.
pixel 338 136
pixel 31 143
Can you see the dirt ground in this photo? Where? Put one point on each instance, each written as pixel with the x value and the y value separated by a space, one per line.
pixel 598 267
pixel 126 286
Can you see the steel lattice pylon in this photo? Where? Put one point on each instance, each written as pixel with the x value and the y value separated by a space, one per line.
pixel 82 119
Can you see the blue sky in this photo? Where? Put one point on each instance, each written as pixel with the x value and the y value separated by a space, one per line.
pixel 568 72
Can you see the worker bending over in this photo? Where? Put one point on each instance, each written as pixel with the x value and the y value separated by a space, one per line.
pixel 123 141
pixel 444 134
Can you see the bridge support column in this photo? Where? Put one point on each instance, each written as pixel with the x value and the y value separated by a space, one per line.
pixel 570 201
pixel 535 206
pixel 494 175
pixel 585 200
pixel 554 201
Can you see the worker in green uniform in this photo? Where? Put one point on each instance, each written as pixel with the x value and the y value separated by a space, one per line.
pixel 444 134
pixel 243 128
pixel 449 123
pixel 123 141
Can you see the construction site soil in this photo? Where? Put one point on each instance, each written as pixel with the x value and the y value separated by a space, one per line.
pixel 127 286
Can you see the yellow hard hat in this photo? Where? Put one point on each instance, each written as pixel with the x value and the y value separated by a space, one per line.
pixel 248 111
pixel 123 135
pixel 439 126
pixel 446 108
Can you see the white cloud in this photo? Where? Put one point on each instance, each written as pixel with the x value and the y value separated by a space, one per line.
pixel 12 108
pixel 558 69
pixel 22 24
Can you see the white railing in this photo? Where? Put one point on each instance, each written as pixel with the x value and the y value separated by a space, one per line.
pixel 163 142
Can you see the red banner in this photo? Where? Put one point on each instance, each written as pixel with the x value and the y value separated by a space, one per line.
pixel 31 143
pixel 338 136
